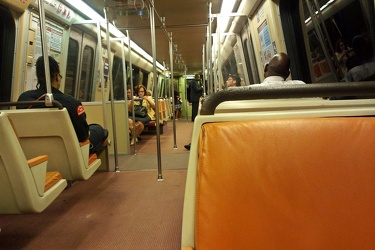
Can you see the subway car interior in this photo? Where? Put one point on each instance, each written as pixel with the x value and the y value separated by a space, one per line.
pixel 228 124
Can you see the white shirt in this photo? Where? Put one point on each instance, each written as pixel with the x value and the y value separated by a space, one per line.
pixel 360 72
pixel 276 80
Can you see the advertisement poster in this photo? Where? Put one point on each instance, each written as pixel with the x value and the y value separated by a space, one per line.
pixel 267 49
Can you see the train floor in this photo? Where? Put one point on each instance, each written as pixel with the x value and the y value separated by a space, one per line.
pixel 129 209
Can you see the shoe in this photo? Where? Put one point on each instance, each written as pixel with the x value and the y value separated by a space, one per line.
pixel 132 142
pixel 187 146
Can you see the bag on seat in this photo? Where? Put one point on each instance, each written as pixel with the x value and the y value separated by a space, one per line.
pixel 140 111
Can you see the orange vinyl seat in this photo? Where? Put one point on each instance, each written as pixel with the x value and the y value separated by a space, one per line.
pixel 296 183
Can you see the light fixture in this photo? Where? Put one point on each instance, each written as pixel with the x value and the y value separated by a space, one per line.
pixel 93 15
pixel 321 9
pixel 226 8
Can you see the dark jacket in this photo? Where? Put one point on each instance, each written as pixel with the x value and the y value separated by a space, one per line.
pixel 75 109
pixel 196 91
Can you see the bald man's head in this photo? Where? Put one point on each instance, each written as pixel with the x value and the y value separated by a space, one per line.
pixel 278 66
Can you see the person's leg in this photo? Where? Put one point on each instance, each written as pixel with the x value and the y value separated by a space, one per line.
pixel 138 128
pixel 97 137
pixel 194 111
pixel 131 130
pixel 144 120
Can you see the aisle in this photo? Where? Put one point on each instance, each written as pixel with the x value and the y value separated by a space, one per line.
pixel 171 157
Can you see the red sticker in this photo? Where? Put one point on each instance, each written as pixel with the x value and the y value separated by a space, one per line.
pixel 80 110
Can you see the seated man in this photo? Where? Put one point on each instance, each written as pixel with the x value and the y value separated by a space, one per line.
pixel 277 71
pixel 94 132
pixel 233 81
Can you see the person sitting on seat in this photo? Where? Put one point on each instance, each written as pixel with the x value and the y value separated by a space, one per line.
pixel 233 81
pixel 277 71
pixel 94 132
pixel 145 100
pixel 364 55
pixel 138 130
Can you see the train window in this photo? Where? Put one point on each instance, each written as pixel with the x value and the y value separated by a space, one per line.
pixel 85 87
pixel 342 23
pixel 230 66
pixel 7 41
pixel 145 78
pixel 71 67
pixel 118 82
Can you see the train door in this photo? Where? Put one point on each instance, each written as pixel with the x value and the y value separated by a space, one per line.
pixel 7 41
pixel 80 66
pixel 249 55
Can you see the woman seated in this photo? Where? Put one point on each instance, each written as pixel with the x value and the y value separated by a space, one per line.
pixel 145 100
pixel 138 130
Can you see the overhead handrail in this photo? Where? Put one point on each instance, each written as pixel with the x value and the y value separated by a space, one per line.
pixel 289 91
pixel 32 103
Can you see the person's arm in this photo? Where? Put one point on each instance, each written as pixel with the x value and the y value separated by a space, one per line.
pixel 78 117
pixel 150 101
pixel 196 86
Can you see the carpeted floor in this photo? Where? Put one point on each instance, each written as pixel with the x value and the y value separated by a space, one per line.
pixel 171 157
pixel 129 210
pixel 126 210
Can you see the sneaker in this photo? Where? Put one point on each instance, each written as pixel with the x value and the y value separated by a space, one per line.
pixel 187 146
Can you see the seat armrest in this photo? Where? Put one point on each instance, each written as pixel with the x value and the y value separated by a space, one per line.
pixel 38 168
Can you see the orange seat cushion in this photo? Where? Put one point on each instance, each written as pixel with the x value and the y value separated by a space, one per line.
pixel 51 179
pixel 287 184
pixel 92 158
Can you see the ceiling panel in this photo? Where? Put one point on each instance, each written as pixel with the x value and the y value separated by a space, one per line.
pixel 186 20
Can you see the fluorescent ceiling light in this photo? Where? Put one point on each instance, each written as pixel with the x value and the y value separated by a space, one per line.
pixel 93 15
pixel 226 8
pixel 321 9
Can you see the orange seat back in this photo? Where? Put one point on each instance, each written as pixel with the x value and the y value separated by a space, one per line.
pixel 286 184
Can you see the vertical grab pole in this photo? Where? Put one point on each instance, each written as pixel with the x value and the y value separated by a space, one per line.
pixel 218 64
pixel 173 95
pixel 110 83
pixel 124 79
pixel 153 43
pixel 203 71
pixel 42 22
pixel 131 86
pixel 209 48
pixel 101 71
pixel 186 94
